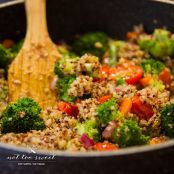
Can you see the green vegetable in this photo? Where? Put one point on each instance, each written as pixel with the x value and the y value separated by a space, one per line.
pixel 152 66
pixel 159 45
pixel 161 34
pixel 113 54
pixel 118 44
pixel 16 47
pixel 6 56
pixel 167 120
pixel 107 111
pixel 65 66
pixel 146 42
pixel 88 65
pixel 157 85
pixel 129 133
pixel 114 47
pixel 89 127
pixel 63 84
pixel 119 80
pixel 65 52
pixel 58 70
pixel 22 116
pixel 94 43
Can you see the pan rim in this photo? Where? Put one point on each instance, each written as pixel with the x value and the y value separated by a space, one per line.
pixel 11 3
pixel 15 2
pixel 77 154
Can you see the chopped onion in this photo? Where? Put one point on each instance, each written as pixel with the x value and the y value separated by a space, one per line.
pixel 108 131
pixel 86 141
pixel 118 89
pixel 53 83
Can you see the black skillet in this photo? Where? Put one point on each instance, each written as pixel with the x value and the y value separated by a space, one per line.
pixel 65 19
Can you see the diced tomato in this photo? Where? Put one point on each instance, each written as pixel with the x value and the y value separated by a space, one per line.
pixel 104 98
pixel 75 110
pixel 61 105
pixel 68 108
pixel 132 35
pixel 105 146
pixel 130 73
pixel 142 110
pixel 104 71
pixel 64 107
pixel 8 43
pixel 145 81
pixel 78 100
pixel 125 106
pixel 165 76
pixel 95 79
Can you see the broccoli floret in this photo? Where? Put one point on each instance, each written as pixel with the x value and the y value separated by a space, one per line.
pixel 86 65
pixel 22 116
pixel 89 127
pixel 146 42
pixel 157 85
pixel 63 84
pixel 107 111
pixel 65 66
pixel 65 52
pixel 167 120
pixel 152 66
pixel 94 43
pixel 129 133
pixel 89 65
pixel 119 80
pixel 161 34
pixel 58 70
pixel 6 56
pixel 159 45
pixel 16 47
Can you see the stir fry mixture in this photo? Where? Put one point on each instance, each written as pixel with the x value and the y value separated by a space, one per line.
pixel 111 94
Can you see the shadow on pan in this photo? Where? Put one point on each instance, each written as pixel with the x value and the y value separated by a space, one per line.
pixel 66 18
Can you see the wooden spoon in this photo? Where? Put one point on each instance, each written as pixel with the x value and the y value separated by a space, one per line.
pixel 32 71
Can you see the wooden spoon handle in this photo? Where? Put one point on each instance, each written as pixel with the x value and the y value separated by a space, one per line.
pixel 32 71
pixel 36 21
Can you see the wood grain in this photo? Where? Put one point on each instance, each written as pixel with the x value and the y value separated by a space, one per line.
pixel 32 71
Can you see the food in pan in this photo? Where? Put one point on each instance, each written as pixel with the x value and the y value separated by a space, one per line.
pixel 111 94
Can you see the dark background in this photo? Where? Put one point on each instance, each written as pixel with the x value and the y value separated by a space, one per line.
pixel 67 18
pixel 2 1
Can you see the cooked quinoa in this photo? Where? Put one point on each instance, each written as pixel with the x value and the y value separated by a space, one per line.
pixel 111 94
pixel 87 109
pixel 81 86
